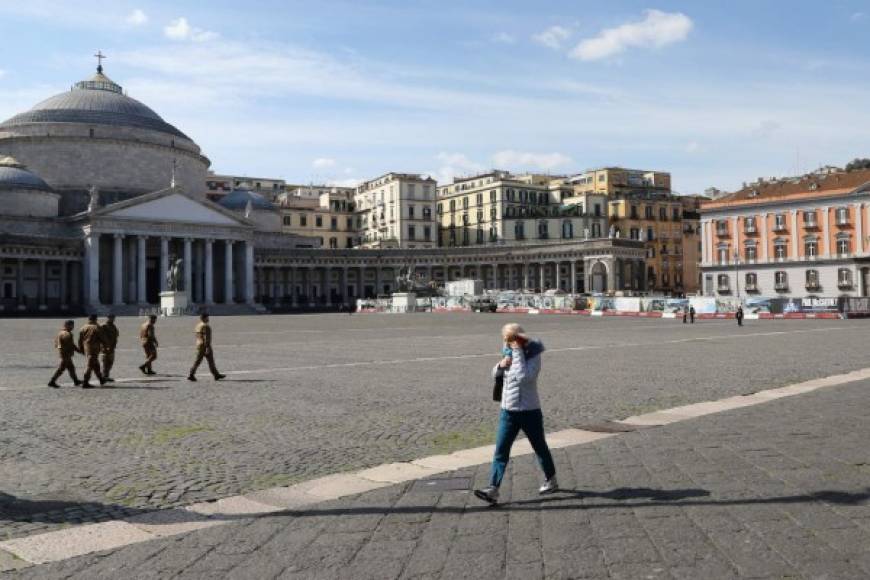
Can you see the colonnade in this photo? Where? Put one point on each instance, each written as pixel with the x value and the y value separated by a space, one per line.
pixel 40 282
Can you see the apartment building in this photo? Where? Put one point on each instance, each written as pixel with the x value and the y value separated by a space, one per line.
pixel 792 238
pixel 218 185
pixel 619 180
pixel 397 210
pixel 498 207
pixel 320 212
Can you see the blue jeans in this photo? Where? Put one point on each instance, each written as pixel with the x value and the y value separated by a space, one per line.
pixel 509 425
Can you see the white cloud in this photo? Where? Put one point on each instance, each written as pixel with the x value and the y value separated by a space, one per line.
pixel 504 38
pixel 656 30
pixel 553 37
pixel 323 163
pixel 345 182
pixel 528 160
pixel 180 29
pixel 454 165
pixel 137 18
pixel 857 16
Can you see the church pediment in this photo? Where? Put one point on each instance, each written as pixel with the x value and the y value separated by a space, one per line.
pixel 173 207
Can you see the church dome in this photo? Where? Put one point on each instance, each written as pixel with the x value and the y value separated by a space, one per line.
pixel 97 101
pixel 14 176
pixel 238 200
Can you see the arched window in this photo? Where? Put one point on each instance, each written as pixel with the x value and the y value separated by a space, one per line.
pixel 812 277
pixel 780 279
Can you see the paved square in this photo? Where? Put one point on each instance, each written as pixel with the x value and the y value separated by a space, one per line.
pixel 308 396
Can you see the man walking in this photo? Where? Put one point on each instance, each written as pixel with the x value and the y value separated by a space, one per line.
pixel 203 349
pixel 66 347
pixel 148 338
pixel 91 343
pixel 685 314
pixel 692 314
pixel 110 337
pixel 739 316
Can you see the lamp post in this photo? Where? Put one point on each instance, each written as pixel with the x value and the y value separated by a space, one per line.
pixel 737 271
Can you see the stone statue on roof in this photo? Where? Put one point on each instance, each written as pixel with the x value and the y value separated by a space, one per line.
pixel 94 202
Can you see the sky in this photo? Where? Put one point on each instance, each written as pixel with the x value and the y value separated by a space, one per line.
pixel 336 91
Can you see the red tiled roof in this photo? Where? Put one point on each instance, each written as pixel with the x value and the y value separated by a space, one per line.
pixel 806 186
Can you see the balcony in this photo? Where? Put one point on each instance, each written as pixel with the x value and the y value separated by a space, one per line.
pixel 844 284
pixel 781 286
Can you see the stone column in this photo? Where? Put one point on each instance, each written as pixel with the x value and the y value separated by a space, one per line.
pixel 361 282
pixel 525 279
pixel 327 284
pixel 118 270
pixel 75 283
pixel 541 275
pixel 188 269
pixel 92 269
pixel 294 298
pixel 249 272
pixel 573 276
pixel 141 274
pixel 209 272
pixel 19 283
pixel 377 281
pixel 343 287
pixel 199 268
pixel 611 276
pixel 826 227
pixel 276 286
pixel 41 289
pixel 164 263
pixel 307 286
pixel 64 285
pixel 859 228
pixel 131 272
pixel 794 235
pixel 229 290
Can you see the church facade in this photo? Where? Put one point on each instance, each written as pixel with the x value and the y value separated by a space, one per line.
pixel 99 195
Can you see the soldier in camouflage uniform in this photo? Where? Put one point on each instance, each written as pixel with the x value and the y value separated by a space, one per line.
pixel 149 344
pixel 91 343
pixel 203 349
pixel 66 348
pixel 110 334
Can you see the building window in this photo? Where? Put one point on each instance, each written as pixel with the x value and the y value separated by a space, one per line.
pixel 427 233
pixel 676 214
pixel 543 232
pixel 663 213
pixel 597 210
pixel 721 228
pixel 440 210
pixel 752 282
pixel 722 251
pixel 650 234
pixel 750 252
pixel 479 235
pixel 780 249
pixel 843 246
pixel 303 220
pixel 427 213
pixel 567 230
pixel 464 237
pixel 810 219
pixel 318 221
pixel 596 230
pixel 520 230
pixel 411 212
pixel 842 216
pixel 493 234
pixel 779 222
pixel 90 133
pixel 492 197
pixel 333 243
pixel 465 202
pixel 780 281
pixel 723 283
pixel 288 221
pixel 811 247
pixel 813 280
pixel 634 233
pixel 349 225
pixel 648 212
pixel 844 278
pixel 749 225
pixel 412 233
pixel 633 213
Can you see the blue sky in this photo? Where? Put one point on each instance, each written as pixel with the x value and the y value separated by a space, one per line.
pixel 717 93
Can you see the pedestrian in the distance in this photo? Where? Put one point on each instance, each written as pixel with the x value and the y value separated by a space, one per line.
pixel 66 348
pixel 739 316
pixel 90 344
pixel 520 410
pixel 692 314
pixel 148 338
pixel 110 336
pixel 685 314
pixel 203 349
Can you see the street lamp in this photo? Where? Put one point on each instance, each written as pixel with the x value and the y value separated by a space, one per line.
pixel 737 271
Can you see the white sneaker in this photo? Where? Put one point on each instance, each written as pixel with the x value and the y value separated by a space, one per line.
pixel 550 486
pixel 487 494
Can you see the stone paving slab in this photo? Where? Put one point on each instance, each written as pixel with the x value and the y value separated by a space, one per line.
pixel 310 396
pixel 777 490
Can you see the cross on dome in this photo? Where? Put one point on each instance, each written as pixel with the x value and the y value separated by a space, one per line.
pixel 100 56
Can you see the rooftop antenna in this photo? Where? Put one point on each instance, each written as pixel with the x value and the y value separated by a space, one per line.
pixel 100 56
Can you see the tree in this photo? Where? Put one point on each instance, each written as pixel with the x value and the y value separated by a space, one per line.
pixel 857 164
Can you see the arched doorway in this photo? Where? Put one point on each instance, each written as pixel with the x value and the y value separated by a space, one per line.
pixel 599 277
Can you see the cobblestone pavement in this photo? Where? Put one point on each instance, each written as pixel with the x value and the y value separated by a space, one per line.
pixel 778 490
pixel 313 395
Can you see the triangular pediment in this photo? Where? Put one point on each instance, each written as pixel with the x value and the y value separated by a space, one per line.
pixel 173 207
